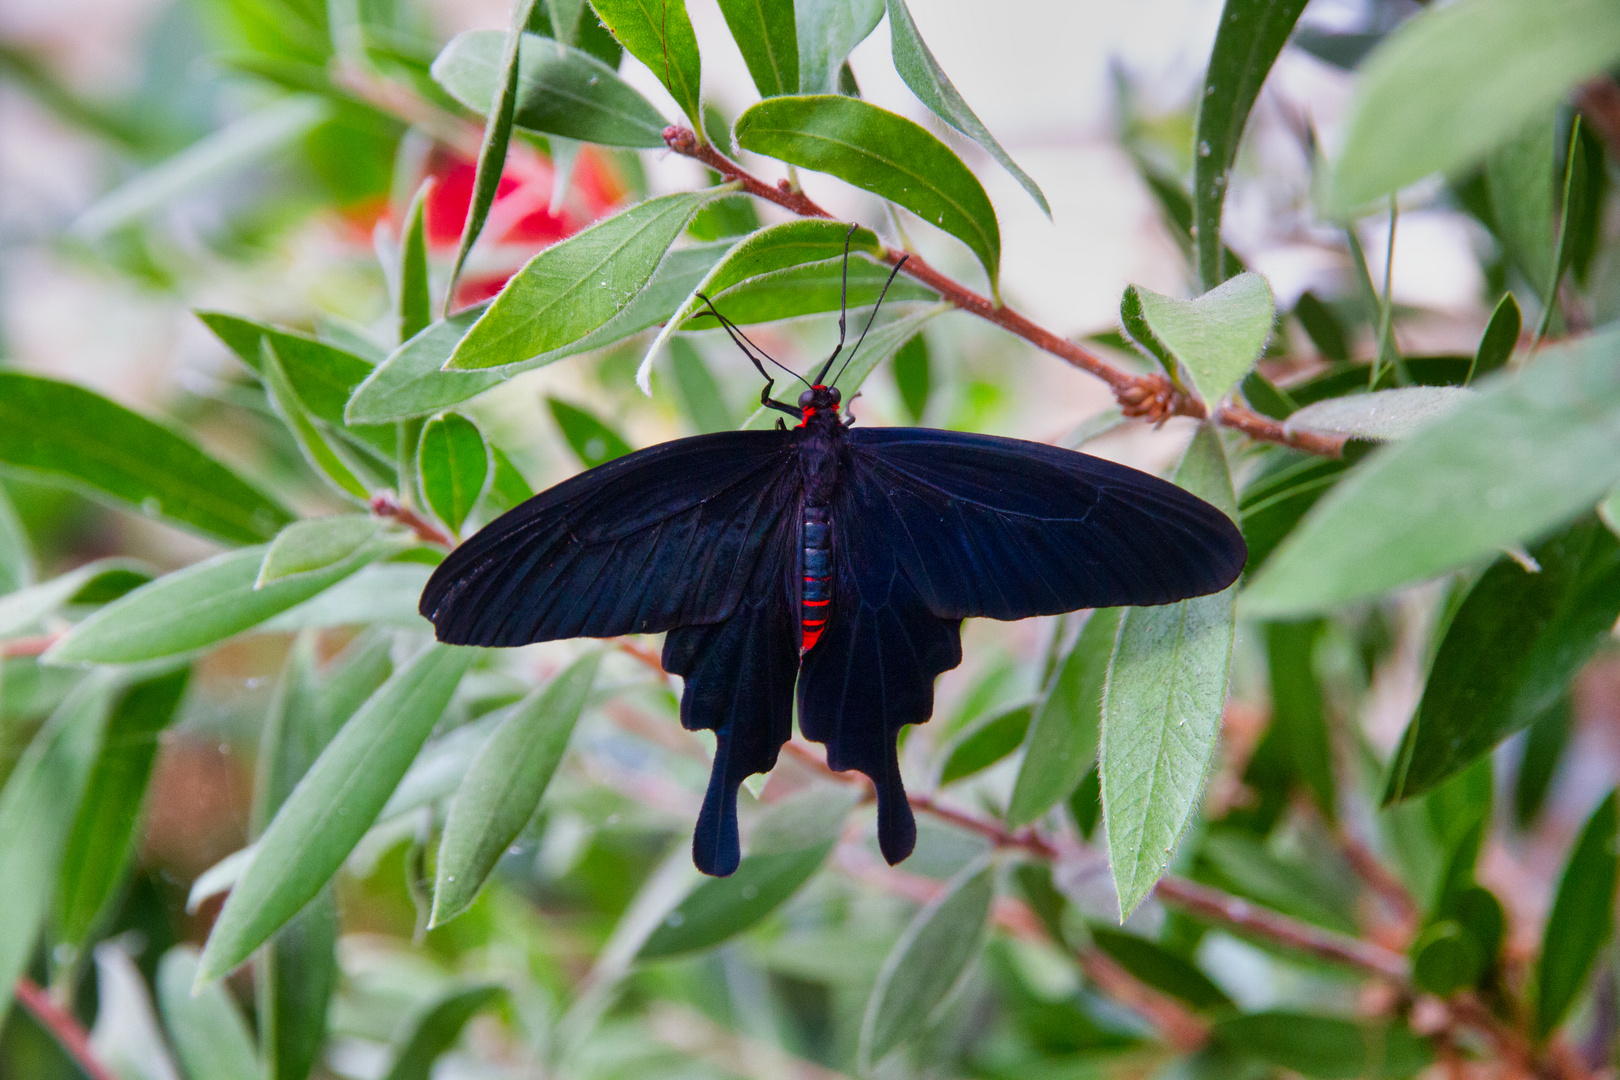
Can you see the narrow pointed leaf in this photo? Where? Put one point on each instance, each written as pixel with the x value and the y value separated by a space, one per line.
pixel 69 435
pixel 492 152
pixel 206 1028
pixel 659 34
pixel 38 806
pixel 1524 178
pixel 415 290
pixel 984 742
pixel 810 289
pixel 192 608
pixel 436 1028
pixel 934 89
pixel 765 32
pixel 592 441
pixel 320 452
pixel 505 784
pixel 1063 739
pixel 827 31
pixel 102 844
pixel 1510 652
pixel 1461 489
pixel 323 376
pixel 1501 337
pixel 1455 81
pixel 930 958
pixel 1381 416
pixel 1216 338
pixel 309 546
pixel 1251 34
pixel 913 376
pixel 17 567
pixel 561 90
pixel 296 974
pixel 701 396
pixel 1327 1047
pixel 576 286
pixel 22 611
pixel 333 805
pixel 454 467
pixel 879 152
pixel 1161 713
pixel 1297 710
pixel 1582 917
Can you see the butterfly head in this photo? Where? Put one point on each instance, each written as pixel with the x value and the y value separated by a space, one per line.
pixel 820 398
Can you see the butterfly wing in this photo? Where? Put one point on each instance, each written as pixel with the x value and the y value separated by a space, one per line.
pixel 1006 529
pixel 873 669
pixel 665 537
pixel 739 684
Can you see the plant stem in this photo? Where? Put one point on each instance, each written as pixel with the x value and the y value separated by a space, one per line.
pixel 1150 397
pixel 64 1028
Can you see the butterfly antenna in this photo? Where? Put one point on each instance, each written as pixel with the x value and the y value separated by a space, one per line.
pixel 870 318
pixel 746 344
pixel 843 309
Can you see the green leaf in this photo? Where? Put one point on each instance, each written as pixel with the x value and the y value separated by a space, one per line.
pixel 561 90
pixel 410 383
pixel 928 81
pixel 1274 501
pixel 295 975
pixel 312 545
pixel 1446 958
pixel 415 290
pixel 1326 1047
pixel 1251 34
pixel 507 488
pixel 659 34
pixel 1297 712
pixel 503 788
pixel 809 290
pixel 827 31
pixel 576 286
pixel 1533 449
pixel 592 441
pixel 38 806
pixel 454 467
pixel 320 452
pixel 1582 917
pixel 1322 326
pixel 1501 337
pixel 1161 712
pixel 193 608
pixel 1063 738
pixel 436 1028
pixel 877 151
pixel 765 32
pixel 1510 652
pixel 785 850
pixel 323 376
pixel 69 434
pixel 205 1026
pixel 17 567
pixel 925 965
pixel 1456 81
pixel 1544 748
pixel 980 745
pixel 1524 177
pixel 333 805
pixel 1248 868
pixel 382 593
pixel 258 136
pixel 1160 968
pixel 1381 416
pixel 772 249
pixel 22 611
pixel 701 396
pixel 1216 338
pixel 103 841
pixel 913 376
pixel 492 151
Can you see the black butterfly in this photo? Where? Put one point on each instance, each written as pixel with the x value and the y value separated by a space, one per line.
pixel 843 559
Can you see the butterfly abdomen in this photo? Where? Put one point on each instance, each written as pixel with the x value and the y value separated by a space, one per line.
pixel 815 586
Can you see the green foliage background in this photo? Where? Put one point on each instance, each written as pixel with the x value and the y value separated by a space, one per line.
pixel 255 824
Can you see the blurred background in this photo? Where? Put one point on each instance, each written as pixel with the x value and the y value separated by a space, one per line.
pixel 103 261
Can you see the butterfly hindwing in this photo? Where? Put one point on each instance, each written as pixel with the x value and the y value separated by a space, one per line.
pixel 665 537
pixel 1006 529
pixel 873 670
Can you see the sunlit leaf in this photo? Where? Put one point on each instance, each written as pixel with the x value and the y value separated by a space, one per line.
pixel 765 32
pixel 314 544
pixel 1530 451
pixel 561 90
pixel 68 434
pixel 1382 416
pixel 1458 80
pixel 453 465
pixel 1161 712
pixel 659 34
pixel 592 441
pixel 415 290
pixel 333 806
pixel 1215 338
pixel 879 152
pixel 504 785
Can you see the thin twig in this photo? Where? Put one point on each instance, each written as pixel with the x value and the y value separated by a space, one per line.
pixel 29 646
pixel 1151 397
pixel 64 1027
pixel 384 505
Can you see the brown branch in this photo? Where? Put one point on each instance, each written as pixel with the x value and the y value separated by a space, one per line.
pixel 384 505
pixel 64 1028
pixel 1599 102
pixel 1151 397
pixel 29 646
pixel 1180 1027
